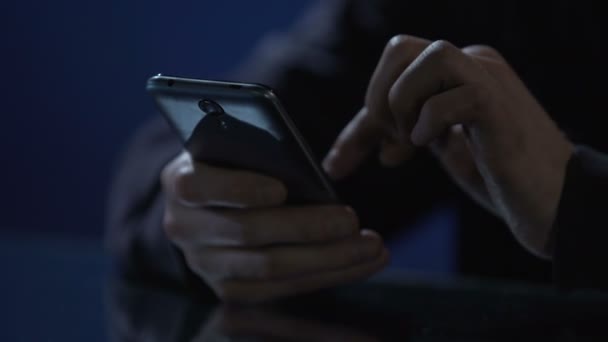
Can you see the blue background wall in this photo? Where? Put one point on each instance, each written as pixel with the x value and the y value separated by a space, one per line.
pixel 72 90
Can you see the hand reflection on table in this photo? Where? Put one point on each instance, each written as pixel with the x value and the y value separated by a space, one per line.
pixel 266 324
pixel 383 310
pixel 140 314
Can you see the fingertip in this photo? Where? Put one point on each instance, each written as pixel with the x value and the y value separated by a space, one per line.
pixel 418 137
pixel 335 164
pixel 356 141
pixel 329 163
pixel 370 234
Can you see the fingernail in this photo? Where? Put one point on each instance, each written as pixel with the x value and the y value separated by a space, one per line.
pixel 370 235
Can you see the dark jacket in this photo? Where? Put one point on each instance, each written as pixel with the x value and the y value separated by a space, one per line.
pixel 320 70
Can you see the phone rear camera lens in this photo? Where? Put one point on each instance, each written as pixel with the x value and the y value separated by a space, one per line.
pixel 210 107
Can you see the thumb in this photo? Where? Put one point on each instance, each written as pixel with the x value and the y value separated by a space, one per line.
pixel 356 141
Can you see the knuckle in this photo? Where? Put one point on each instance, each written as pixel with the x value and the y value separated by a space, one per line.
pixel 489 51
pixel 398 41
pixel 443 46
pixel 484 50
pixel 400 46
pixel 441 51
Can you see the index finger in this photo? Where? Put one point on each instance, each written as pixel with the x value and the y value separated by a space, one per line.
pixel 353 145
pixel 440 68
pixel 374 122
pixel 399 53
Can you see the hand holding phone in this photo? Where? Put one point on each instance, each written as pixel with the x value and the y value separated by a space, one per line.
pixel 244 126
pixel 237 234
pixel 231 218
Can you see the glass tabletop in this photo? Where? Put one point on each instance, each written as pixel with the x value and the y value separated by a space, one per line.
pixel 389 307
pixel 63 290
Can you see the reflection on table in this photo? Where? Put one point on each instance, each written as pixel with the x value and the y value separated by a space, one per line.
pixel 386 308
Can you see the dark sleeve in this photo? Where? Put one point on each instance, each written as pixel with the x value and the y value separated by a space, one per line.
pixel 581 227
pixel 320 70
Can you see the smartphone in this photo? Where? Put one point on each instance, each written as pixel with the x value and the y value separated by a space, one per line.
pixel 241 126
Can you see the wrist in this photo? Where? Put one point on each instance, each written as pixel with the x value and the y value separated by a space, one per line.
pixel 540 226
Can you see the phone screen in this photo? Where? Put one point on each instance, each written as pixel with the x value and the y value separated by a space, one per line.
pixel 241 126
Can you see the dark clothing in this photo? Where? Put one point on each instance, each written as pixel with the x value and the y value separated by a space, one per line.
pixel 581 230
pixel 320 71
